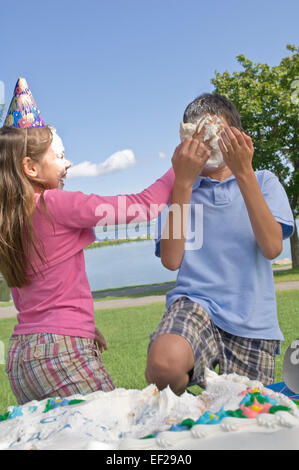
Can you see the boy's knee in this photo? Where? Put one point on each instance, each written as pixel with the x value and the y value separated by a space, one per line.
pixel 157 367
pixel 162 373
pixel 169 360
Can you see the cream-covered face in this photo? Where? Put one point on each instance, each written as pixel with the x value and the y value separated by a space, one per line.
pixel 207 129
pixel 53 166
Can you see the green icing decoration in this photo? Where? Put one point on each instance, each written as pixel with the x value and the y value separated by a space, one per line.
pixel 4 417
pixel 258 396
pixel 236 414
pixel 274 409
pixel 75 402
pixel 48 406
pixel 189 423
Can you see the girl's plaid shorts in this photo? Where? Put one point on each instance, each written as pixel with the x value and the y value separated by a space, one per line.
pixel 253 358
pixel 44 365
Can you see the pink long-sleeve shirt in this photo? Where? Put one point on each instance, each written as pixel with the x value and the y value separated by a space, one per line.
pixel 60 301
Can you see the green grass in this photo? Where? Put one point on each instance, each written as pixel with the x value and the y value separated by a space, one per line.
pixel 127 333
pixel 7 398
pixel 7 304
pixel 287 275
pixel 120 241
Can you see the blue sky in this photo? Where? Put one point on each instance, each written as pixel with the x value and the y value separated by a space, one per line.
pixel 118 74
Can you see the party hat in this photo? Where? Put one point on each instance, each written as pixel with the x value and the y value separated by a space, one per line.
pixel 23 111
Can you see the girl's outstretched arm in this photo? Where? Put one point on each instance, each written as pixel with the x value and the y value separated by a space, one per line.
pixel 78 210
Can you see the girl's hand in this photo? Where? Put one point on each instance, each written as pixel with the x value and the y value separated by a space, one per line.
pixel 237 150
pixel 189 159
pixel 100 340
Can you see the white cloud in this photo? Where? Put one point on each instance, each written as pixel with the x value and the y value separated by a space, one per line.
pixel 117 162
pixel 162 155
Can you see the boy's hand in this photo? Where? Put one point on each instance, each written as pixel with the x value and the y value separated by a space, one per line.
pixel 237 150
pixel 188 160
pixel 100 340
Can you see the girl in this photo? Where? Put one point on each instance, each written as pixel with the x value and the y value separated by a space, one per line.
pixel 43 231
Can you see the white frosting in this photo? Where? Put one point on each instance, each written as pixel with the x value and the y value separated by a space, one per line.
pixel 212 128
pixel 58 148
pixel 119 419
pixel 57 144
pixel 271 432
pixel 101 421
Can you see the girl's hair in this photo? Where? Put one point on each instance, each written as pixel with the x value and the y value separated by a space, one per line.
pixel 17 201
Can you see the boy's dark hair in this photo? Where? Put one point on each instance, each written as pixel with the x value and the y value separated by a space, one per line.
pixel 213 103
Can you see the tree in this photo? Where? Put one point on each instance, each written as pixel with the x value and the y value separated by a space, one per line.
pixel 268 101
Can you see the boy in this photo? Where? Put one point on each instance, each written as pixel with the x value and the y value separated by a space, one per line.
pixel 223 307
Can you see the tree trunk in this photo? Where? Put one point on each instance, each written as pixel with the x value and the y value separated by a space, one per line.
pixel 295 248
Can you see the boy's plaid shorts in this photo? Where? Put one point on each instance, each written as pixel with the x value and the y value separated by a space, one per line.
pixel 253 358
pixel 46 365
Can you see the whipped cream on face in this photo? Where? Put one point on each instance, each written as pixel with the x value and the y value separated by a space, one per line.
pixel 213 125
pixel 58 148
pixel 57 144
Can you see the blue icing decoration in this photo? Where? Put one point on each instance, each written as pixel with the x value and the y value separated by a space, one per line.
pixel 56 403
pixel 248 398
pixel 212 418
pixel 34 437
pixel 179 428
pixel 32 409
pixel 61 402
pixel 52 419
pixel 272 401
pixel 17 411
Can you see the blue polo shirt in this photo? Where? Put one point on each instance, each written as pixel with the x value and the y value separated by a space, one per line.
pixel 227 273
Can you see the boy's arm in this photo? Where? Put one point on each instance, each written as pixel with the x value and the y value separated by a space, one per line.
pixel 173 237
pixel 267 231
pixel 237 153
pixel 172 246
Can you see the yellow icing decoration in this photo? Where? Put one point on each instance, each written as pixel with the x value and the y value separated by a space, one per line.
pixel 256 408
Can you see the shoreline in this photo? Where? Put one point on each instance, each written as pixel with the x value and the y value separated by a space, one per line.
pixel 140 300
pixel 283 274
pixel 142 294
pixel 120 241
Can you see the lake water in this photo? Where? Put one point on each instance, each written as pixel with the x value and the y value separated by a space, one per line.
pixel 129 264
pixel 132 264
